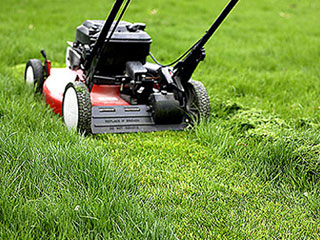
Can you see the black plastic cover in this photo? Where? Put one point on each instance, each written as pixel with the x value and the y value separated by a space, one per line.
pixel 89 31
pixel 165 108
pixel 128 43
pixel 127 119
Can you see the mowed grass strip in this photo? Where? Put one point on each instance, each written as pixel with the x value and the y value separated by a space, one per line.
pixel 250 172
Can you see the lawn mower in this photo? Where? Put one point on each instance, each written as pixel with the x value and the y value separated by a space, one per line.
pixel 108 87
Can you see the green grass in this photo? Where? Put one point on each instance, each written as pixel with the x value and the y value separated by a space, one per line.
pixel 251 171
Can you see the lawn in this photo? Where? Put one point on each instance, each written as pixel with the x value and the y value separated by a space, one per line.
pixel 252 171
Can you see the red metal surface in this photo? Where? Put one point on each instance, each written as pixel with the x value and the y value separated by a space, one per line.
pixel 106 95
pixel 54 86
pixel 54 100
pixel 101 95
pixel 48 63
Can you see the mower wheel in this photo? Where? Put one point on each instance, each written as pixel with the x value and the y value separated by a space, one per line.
pixel 34 75
pixel 76 107
pixel 197 101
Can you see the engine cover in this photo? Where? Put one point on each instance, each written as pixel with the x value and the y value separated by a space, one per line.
pixel 129 42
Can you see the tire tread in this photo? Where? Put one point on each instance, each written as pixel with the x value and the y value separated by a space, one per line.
pixel 84 106
pixel 202 99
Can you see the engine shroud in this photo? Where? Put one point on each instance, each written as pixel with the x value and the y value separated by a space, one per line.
pixel 129 42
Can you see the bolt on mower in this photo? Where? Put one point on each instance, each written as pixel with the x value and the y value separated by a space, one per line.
pixel 109 87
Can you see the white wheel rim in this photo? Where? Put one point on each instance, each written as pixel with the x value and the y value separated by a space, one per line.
pixel 70 109
pixel 30 76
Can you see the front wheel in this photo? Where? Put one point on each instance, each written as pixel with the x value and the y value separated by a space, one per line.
pixel 76 107
pixel 197 101
pixel 34 74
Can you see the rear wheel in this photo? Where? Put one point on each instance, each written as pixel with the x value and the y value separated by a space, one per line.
pixel 34 74
pixel 197 101
pixel 76 107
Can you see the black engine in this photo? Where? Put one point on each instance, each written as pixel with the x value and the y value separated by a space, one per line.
pixel 129 43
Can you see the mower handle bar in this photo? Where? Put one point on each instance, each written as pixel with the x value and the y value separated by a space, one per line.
pixel 105 30
pixel 94 56
pixel 116 8
pixel 216 24
pixel 184 69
